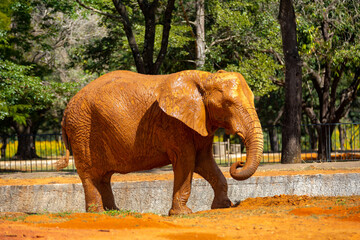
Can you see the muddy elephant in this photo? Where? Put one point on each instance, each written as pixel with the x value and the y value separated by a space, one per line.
pixel 125 122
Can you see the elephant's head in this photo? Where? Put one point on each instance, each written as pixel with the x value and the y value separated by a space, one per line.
pixel 205 102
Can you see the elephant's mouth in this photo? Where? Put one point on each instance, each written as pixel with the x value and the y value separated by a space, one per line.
pixel 242 137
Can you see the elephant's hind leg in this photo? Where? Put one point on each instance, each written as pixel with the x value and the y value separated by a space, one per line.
pixel 98 192
pixel 107 193
pixel 91 183
pixel 93 201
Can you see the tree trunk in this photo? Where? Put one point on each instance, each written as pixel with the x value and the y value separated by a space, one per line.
pixel 323 149
pixel 291 146
pixel 3 147
pixel 313 139
pixel 274 143
pixel 200 34
pixel 26 141
pixel 342 137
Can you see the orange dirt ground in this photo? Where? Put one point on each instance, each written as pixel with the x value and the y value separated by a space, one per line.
pixel 279 217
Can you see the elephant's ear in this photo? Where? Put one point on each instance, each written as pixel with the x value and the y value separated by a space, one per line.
pixel 179 96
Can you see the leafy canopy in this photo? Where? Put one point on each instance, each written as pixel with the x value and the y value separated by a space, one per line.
pixel 22 94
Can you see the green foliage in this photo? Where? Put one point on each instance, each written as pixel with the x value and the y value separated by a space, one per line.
pixel 343 43
pixel 180 41
pixel 269 107
pixel 239 36
pixel 5 12
pixel 112 51
pixel 243 37
pixel 31 72
pixel 257 70
pixel 340 49
pixel 22 94
pixel 108 53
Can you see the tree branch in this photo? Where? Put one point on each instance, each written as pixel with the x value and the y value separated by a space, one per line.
pixel 309 111
pixel 280 113
pixel 97 11
pixel 325 28
pixel 165 35
pixel 219 41
pixel 276 55
pixel 187 20
pixel 315 77
pixel 277 82
pixel 130 35
pixel 150 30
pixel 335 84
pixel 143 5
pixel 347 97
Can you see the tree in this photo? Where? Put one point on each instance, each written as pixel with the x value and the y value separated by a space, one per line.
pixel 24 102
pixel 270 111
pixel 291 130
pixel 26 98
pixel 329 33
pixel 199 25
pixel 144 60
pixel 200 34
pixel 27 84
pixel 243 36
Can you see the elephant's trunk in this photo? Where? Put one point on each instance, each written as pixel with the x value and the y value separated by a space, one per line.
pixel 254 149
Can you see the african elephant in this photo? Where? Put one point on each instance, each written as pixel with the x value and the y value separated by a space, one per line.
pixel 124 122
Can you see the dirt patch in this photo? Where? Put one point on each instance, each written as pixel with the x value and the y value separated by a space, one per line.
pixel 279 217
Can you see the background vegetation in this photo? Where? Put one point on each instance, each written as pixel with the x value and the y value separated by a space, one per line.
pixel 50 49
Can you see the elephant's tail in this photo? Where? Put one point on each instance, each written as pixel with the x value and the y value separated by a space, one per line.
pixel 64 161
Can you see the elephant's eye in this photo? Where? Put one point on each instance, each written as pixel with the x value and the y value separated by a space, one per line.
pixel 227 103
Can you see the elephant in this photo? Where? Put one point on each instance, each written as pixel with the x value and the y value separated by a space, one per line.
pixel 124 122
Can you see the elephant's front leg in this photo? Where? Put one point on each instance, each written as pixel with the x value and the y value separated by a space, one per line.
pixel 208 169
pixel 183 172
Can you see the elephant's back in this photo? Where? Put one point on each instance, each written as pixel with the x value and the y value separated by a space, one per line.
pixel 114 78
pixel 122 94
pixel 118 89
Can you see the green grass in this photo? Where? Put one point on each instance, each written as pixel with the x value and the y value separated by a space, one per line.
pixel 63 214
pixel 121 213
pixel 14 218
pixel 340 201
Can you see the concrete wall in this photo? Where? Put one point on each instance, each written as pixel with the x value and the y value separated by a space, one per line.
pixel 155 196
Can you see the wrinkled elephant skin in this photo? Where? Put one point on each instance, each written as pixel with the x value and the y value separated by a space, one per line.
pixel 124 122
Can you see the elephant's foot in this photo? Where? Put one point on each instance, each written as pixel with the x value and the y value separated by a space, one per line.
pixel 183 210
pixel 97 207
pixel 221 203
pixel 111 208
